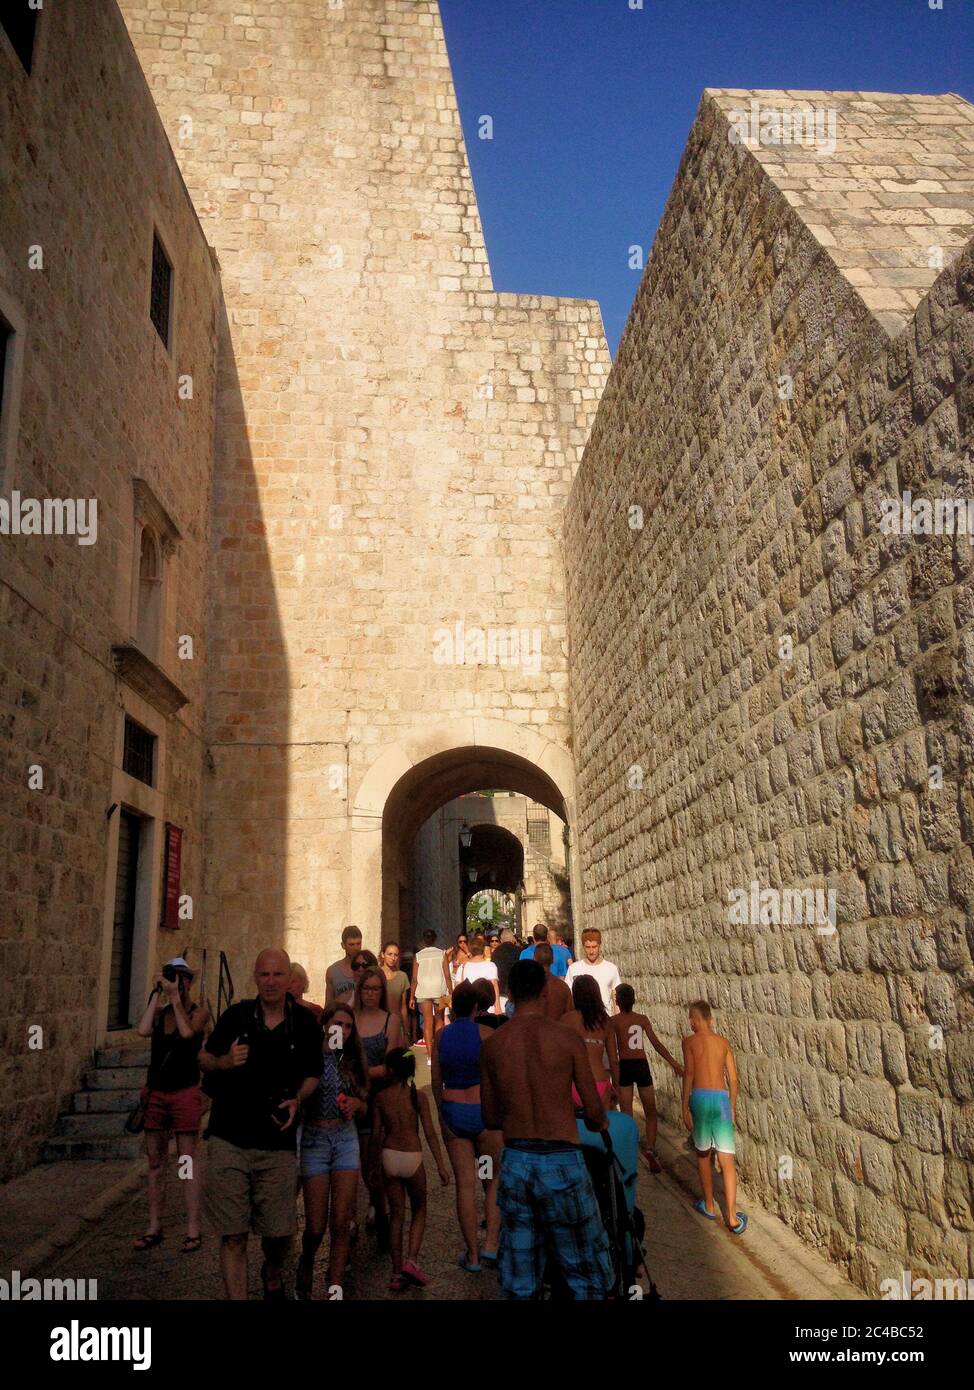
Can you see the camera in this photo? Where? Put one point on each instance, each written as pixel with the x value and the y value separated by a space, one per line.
pixel 170 973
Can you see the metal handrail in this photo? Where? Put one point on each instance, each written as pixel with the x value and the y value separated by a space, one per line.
pixel 225 985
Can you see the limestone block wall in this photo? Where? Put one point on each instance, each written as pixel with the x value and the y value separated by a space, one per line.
pixel 91 402
pixel 768 688
pixel 396 441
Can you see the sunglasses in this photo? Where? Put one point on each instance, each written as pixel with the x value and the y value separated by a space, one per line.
pixel 360 964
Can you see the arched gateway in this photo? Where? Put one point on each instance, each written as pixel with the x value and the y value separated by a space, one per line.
pixel 413 778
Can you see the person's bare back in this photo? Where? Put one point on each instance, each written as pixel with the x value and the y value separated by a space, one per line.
pixel 400 1119
pixel 556 998
pixel 527 1070
pixel 709 1053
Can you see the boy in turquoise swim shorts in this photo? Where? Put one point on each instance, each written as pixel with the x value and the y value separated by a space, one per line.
pixel 709 1102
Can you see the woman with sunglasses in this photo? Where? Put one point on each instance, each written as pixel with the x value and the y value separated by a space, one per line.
pixel 379 1030
pixel 454 959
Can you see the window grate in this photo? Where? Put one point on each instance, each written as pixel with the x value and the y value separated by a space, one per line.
pixel 161 294
pixel 19 22
pixel 539 829
pixel 139 756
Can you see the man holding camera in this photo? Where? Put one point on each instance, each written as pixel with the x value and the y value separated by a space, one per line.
pixel 260 1063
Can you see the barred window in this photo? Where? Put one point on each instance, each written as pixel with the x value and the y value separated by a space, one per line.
pixel 139 755
pixel 539 829
pixel 160 300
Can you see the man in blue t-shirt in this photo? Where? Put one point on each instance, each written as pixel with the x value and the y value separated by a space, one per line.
pixel 562 957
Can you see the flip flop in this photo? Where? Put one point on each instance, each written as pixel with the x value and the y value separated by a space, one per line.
pixel 741 1226
pixel 191 1244
pixel 701 1206
pixel 149 1241
pixel 414 1274
pixel 489 1257
pixel 471 1269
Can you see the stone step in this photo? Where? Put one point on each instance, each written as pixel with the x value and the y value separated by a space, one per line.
pixel 113 1078
pixel 91 1125
pixel 118 1146
pixel 133 1055
pixel 96 1102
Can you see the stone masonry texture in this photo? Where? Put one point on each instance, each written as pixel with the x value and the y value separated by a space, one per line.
pixel 383 415
pixel 86 173
pixel 742 678
pixel 768 688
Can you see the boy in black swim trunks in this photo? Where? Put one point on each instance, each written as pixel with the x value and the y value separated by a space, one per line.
pixel 633 1031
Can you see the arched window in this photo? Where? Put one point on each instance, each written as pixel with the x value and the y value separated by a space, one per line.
pixel 147 630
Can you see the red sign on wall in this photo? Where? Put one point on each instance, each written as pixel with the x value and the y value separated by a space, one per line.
pixel 171 877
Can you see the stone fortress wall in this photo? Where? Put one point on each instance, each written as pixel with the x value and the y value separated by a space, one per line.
pixel 768 688
pixel 384 415
pixel 90 403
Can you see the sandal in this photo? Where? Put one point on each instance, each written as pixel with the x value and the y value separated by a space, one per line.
pixel 397 1283
pixel 191 1244
pixel 489 1257
pixel 741 1226
pixel 414 1274
pixel 701 1206
pixel 149 1241
pixel 471 1269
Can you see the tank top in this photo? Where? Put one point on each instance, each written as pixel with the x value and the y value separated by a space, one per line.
pixel 430 983
pixel 375 1047
pixel 172 1058
pixel 323 1104
pixel 459 1052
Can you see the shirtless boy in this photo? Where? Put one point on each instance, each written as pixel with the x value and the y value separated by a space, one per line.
pixel 633 1031
pixel 709 1104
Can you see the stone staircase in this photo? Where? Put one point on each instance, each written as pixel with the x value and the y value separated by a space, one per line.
pixel 93 1124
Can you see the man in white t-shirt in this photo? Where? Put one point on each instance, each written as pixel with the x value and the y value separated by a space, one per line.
pixel 605 974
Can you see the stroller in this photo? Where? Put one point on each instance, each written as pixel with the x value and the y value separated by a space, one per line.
pixel 612 1159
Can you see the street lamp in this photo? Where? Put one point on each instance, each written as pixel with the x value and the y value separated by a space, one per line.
pixel 472 875
pixel 466 836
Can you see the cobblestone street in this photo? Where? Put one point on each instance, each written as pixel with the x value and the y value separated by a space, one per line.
pixel 688 1258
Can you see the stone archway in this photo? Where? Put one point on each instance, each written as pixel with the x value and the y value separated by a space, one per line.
pixel 413 778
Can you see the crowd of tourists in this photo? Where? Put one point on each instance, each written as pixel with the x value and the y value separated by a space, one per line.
pixel 531 1055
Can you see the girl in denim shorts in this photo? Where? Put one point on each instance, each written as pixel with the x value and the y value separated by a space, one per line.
pixel 329 1152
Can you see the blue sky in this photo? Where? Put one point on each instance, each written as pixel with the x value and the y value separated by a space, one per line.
pixel 592 102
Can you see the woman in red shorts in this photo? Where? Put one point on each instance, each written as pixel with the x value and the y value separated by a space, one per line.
pixel 172 1097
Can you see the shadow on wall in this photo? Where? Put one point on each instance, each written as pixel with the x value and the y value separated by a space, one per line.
pixel 248 711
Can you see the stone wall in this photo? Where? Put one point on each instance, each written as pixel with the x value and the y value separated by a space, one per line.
pixel 91 403
pixel 396 440
pixel 767 688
